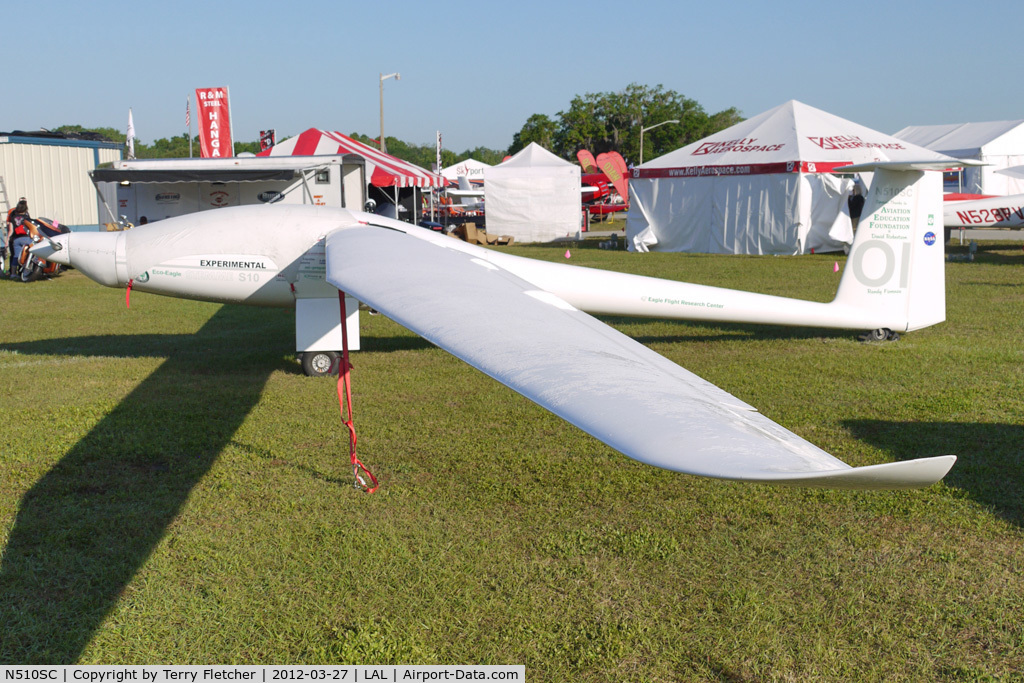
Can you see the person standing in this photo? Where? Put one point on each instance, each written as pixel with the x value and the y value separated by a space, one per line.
pixel 17 234
pixel 4 249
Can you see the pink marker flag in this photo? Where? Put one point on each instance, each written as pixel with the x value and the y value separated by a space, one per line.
pixel 567 254
pixel 835 267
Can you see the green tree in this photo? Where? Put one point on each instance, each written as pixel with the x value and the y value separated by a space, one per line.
pixel 247 147
pixel 484 154
pixel 175 147
pixel 111 134
pixel 538 128
pixel 582 126
pixel 603 122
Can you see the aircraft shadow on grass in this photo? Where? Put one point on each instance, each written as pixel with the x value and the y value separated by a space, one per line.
pixel 990 254
pixel 88 525
pixel 714 331
pixel 989 468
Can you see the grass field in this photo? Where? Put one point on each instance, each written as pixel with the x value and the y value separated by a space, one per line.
pixel 173 490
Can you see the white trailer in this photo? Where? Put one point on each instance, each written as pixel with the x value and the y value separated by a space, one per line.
pixel 150 190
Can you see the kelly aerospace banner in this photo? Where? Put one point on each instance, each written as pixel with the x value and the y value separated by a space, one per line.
pixel 214 122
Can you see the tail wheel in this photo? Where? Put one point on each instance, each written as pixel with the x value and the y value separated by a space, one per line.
pixel 319 363
pixel 881 334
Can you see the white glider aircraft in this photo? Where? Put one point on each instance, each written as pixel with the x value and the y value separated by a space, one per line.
pixel 525 322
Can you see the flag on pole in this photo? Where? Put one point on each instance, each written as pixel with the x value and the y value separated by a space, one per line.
pixel 214 122
pixel 130 136
pixel 437 151
pixel 268 138
pixel 188 115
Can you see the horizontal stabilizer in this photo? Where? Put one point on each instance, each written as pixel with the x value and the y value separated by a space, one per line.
pixel 1012 171
pixel 930 165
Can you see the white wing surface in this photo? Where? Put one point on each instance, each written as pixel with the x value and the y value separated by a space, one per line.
pixel 587 373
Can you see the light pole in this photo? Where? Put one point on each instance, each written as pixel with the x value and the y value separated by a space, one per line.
pixel 642 135
pixel 383 77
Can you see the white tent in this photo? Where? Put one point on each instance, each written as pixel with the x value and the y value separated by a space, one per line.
pixel 533 196
pixel 763 186
pixel 1000 144
pixel 468 168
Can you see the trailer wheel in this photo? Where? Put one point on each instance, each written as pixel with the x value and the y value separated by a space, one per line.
pixel 319 363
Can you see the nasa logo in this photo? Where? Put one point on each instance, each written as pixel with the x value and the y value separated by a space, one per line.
pixel 270 197
pixel 929 238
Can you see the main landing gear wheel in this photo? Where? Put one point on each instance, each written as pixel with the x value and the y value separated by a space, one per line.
pixel 319 363
pixel 881 334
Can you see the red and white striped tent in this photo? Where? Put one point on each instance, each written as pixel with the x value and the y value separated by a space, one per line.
pixel 382 169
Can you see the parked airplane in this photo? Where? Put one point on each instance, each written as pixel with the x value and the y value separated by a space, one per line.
pixel 595 187
pixel 985 211
pixel 523 321
pixel 470 197
pixel 988 212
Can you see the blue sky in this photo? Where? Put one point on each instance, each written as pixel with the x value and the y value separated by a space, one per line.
pixel 477 70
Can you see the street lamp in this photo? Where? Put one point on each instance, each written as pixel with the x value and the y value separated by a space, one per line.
pixel 384 77
pixel 642 135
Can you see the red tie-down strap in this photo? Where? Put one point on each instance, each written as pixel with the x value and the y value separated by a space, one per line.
pixel 345 405
pixel 128 294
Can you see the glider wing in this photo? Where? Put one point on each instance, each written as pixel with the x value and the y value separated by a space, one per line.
pixel 584 371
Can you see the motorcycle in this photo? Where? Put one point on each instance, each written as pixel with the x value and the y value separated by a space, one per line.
pixel 32 267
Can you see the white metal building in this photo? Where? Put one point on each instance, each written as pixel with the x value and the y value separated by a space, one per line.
pixel 997 144
pixel 52 172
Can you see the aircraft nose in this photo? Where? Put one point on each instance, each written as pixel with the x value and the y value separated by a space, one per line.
pixel 53 249
pixel 96 254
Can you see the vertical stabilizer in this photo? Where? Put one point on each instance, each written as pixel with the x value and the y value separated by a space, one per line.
pixel 896 265
pixel 466 200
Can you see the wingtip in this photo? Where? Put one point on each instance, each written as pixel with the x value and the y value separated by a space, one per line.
pixel 906 474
